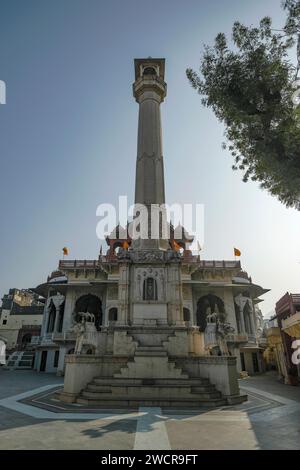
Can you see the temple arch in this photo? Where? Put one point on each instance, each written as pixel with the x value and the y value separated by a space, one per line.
pixel 26 339
pixel 209 303
pixel 149 71
pixel 92 304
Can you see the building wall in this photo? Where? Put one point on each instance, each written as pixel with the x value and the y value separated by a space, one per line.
pixel 14 323
pixel 50 366
pixel 70 299
pixel 248 359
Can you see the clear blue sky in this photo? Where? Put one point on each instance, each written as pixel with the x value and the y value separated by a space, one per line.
pixel 68 134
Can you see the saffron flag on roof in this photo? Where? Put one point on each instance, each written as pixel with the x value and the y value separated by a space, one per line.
pixel 237 252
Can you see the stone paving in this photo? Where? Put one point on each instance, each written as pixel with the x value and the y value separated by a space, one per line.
pixel 270 419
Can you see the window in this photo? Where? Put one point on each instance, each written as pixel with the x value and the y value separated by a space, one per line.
pixel 186 314
pixel 113 314
pixel 150 289
pixel 56 357
pixel 149 71
pixel 61 318
pixel 4 322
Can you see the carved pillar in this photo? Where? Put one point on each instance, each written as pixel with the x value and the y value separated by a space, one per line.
pixel 252 320
pixel 175 302
pixel 123 294
pixel 242 320
pixel 240 303
pixel 46 317
pixel 58 300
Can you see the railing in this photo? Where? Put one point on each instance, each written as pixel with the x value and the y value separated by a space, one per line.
pixel 251 338
pixel 273 331
pixel 213 263
pixel 210 264
pixel 47 337
pixel 64 336
pixel 93 264
pixel 70 264
pixel 238 338
pixel 263 342
pixel 35 340
pixel 31 327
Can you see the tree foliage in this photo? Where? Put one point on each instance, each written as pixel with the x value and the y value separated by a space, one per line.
pixel 251 89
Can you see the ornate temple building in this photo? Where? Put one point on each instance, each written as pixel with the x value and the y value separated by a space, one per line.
pixel 149 323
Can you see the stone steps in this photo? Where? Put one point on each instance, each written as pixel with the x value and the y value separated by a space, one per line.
pixel 136 402
pixel 151 378
pixel 150 353
pixel 101 388
pixel 144 351
pixel 158 381
pixel 20 360
pixel 153 393
pixel 169 392
pixel 150 364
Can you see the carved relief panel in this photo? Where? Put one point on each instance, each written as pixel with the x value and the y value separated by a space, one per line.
pixel 149 284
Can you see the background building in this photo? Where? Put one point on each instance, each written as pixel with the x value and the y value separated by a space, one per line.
pixel 21 317
pixel 288 318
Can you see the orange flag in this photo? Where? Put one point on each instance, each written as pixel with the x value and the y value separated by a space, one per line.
pixel 176 246
pixel 237 252
pixel 65 251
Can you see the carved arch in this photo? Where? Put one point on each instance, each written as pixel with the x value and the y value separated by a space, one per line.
pixel 212 302
pixel 92 304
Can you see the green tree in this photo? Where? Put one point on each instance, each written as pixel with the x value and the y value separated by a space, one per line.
pixel 252 90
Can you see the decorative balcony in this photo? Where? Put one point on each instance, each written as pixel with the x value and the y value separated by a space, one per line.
pixel 273 336
pixel 94 264
pixel 291 325
pixel 50 338
pixel 237 338
pixel 64 336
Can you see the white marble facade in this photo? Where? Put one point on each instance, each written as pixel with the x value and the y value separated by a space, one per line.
pixel 142 295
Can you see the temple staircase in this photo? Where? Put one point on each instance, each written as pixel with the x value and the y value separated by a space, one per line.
pixel 20 360
pixel 151 378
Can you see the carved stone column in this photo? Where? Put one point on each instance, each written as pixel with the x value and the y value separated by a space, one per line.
pixel 123 294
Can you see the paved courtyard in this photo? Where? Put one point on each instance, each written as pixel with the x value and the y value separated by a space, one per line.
pixel 29 419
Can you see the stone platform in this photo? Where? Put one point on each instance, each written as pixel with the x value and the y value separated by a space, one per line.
pixel 151 378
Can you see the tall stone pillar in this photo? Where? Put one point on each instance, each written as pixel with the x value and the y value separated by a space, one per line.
pixel 149 90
